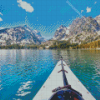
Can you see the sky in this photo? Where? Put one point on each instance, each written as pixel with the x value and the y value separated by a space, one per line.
pixel 45 15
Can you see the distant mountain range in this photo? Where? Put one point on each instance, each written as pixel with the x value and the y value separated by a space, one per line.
pixel 20 35
pixel 82 30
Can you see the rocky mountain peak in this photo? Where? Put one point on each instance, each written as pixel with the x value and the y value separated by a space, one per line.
pixel 82 29
pixel 20 35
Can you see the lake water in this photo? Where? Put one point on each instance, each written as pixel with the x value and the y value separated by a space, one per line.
pixel 22 72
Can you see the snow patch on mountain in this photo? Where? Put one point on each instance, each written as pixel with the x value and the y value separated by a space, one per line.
pixel 20 35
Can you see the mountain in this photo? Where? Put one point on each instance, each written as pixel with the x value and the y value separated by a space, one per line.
pixel 61 33
pixel 97 18
pixel 38 35
pixel 82 30
pixel 19 35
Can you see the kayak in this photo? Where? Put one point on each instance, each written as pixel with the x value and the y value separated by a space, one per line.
pixel 55 84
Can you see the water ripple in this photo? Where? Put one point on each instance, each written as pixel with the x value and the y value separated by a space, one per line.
pixel 24 88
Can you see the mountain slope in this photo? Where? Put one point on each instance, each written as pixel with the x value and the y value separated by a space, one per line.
pixel 97 18
pixel 38 35
pixel 85 29
pixel 18 35
pixel 60 33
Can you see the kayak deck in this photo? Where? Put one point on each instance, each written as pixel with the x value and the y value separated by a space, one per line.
pixel 56 80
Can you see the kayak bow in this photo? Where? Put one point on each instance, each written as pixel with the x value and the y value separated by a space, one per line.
pixel 57 86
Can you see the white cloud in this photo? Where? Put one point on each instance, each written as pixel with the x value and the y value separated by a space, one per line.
pixel 82 11
pixel 25 5
pixel 1 19
pixel 95 2
pixel 88 9
pixel 1 14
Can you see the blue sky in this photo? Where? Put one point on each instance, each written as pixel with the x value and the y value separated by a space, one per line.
pixel 45 15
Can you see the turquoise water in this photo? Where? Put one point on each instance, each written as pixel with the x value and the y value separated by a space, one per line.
pixel 22 72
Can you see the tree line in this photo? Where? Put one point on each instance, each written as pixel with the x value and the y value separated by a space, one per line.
pixel 16 46
pixel 68 45
pixel 91 45
pixel 63 45
pixel 56 45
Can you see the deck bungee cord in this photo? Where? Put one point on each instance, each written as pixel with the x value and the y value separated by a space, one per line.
pixel 65 92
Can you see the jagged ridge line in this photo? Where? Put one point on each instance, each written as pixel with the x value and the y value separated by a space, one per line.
pixel 78 12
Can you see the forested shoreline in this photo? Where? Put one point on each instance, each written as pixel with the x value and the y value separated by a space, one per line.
pixel 57 45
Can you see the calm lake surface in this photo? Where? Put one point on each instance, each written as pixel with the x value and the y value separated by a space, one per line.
pixel 22 72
